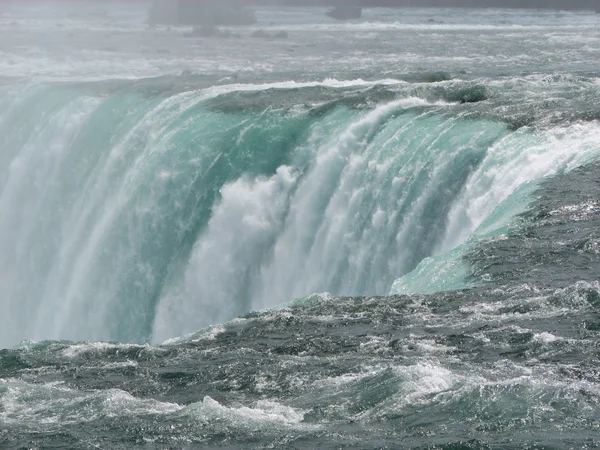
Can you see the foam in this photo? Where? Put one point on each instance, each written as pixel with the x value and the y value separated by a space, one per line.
pixel 545 337
pixel 423 380
pixel 265 413
pixel 77 350
pixel 207 334
pixel 36 405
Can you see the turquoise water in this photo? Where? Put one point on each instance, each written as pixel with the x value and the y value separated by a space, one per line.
pixel 142 217
pixel 378 234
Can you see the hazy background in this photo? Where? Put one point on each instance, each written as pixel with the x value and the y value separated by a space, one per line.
pixel 563 4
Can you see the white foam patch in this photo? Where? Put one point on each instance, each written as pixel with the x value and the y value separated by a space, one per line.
pixel 545 338
pixel 423 383
pixel 115 365
pixel 422 380
pixel 99 347
pixel 432 347
pixel 119 403
pixel 42 404
pixel 381 345
pixel 207 334
pixel 265 413
pixel 476 389
pixel 343 381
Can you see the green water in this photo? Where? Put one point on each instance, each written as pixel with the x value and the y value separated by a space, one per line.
pixel 374 234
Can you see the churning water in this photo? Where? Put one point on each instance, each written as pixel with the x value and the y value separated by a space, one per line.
pixel 386 231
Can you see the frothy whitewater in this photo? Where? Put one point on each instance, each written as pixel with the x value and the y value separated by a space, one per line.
pixel 386 231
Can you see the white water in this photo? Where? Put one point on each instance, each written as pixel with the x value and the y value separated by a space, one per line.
pixel 350 223
pixel 367 196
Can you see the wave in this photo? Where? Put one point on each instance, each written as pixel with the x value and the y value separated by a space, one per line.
pixel 138 215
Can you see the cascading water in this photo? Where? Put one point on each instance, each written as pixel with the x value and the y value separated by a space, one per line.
pixel 307 233
pixel 140 217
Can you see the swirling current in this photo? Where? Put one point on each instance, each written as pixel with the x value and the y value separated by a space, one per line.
pixel 362 236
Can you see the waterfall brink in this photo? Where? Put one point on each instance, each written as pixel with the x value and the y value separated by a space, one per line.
pixel 137 217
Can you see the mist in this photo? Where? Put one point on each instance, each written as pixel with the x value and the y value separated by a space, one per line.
pixel 538 4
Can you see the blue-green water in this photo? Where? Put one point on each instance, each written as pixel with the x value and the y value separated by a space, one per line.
pixel 385 230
